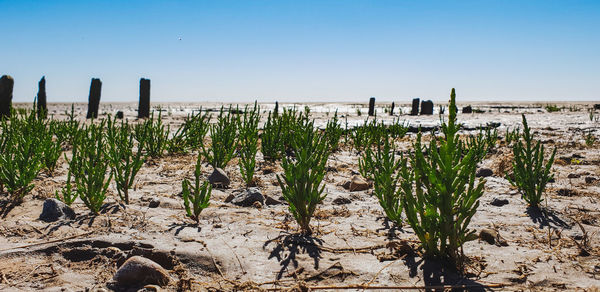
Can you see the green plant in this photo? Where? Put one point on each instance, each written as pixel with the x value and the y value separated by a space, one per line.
pixel 385 170
pixel 446 195
pixel 21 156
pixel 68 195
pixel 223 139
pixel 512 135
pixel 153 135
pixel 333 132
pixel 552 108
pixel 190 136
pixel 196 198
pixel 531 174
pixel 124 161
pixel 271 142
pixel 90 166
pixel 590 139
pixel 52 146
pixel 248 139
pixel 304 173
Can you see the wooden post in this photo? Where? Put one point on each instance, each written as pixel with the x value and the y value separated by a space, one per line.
pixel 415 107
pixel 427 107
pixel 372 106
pixel 94 99
pixel 276 110
pixel 42 110
pixel 392 109
pixel 6 94
pixel 144 105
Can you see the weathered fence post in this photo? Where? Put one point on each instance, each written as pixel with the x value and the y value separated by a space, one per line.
pixel 42 110
pixel 6 93
pixel 427 107
pixel 372 106
pixel 392 109
pixel 94 99
pixel 415 107
pixel 144 105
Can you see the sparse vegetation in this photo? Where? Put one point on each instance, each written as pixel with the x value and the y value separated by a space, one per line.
pixel 125 160
pixel 248 139
pixel 301 183
pixel 223 142
pixel 196 197
pixel 441 194
pixel 531 173
pixel 90 166
pixel 384 169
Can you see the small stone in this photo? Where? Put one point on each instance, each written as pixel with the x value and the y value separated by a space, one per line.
pixel 270 201
pixel 154 203
pixel 484 172
pixel 499 202
pixel 356 184
pixel 152 288
pixel 248 197
pixel 229 198
pixel 341 201
pixel 574 175
pixel 219 178
pixel 488 235
pixel 590 179
pixel 257 205
pixel 138 270
pixel 566 192
pixel 54 210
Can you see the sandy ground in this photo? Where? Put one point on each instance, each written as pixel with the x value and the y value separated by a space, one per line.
pixel 239 248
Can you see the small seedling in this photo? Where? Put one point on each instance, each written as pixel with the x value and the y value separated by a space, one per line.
pixel 196 198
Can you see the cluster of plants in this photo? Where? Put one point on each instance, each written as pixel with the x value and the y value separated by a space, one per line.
pixel 372 132
pixel 531 169
pixel 278 132
pixel 304 171
pixel 23 152
pixel 552 108
pixel 435 186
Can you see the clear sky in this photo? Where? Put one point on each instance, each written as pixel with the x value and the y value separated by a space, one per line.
pixel 304 50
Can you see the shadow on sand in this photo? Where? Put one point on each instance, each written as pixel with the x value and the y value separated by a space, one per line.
pixel 287 246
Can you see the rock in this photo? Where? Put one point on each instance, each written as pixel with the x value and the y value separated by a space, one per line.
pixel 574 175
pixel 597 106
pixel 154 203
pixel 152 288
pixel 247 198
pixel 415 107
pixel 54 210
pixel 356 184
pixel 138 270
pixel 566 192
pixel 467 109
pixel 499 202
pixel 219 178
pixel 257 205
pixel 341 201
pixel 427 107
pixel 590 179
pixel 119 115
pixel 492 236
pixel 484 172
pixel 270 201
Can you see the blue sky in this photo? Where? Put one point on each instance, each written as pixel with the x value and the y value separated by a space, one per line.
pixel 304 50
